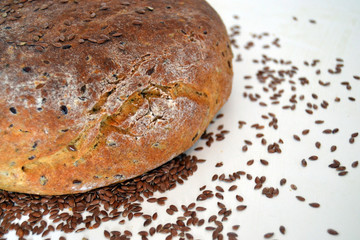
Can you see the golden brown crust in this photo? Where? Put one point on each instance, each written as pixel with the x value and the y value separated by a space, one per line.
pixel 95 92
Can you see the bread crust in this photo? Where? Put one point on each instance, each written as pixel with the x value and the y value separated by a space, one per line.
pixel 97 92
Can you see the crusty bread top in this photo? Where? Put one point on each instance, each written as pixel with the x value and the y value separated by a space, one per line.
pixel 95 92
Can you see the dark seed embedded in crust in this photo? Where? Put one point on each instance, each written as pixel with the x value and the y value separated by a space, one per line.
pixel 13 110
pixel 72 148
pixel 27 69
pixel 64 109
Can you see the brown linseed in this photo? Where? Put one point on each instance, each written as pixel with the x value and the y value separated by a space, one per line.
pixel 332 231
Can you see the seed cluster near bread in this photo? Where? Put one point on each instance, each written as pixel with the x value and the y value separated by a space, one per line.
pixel 96 92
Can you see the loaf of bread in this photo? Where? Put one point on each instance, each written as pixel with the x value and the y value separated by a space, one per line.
pixel 94 92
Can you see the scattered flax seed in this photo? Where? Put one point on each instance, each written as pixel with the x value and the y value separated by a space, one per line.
pixel 259 135
pixel 241 123
pixel 296 137
pixel 314 205
pixel 300 198
pixel 319 121
pixel 174 208
pixel 241 207
pixel 305 132
pixel 239 198
pixel 215 177
pixel 212 218
pixel 169 211
pixel 250 162
pixel 282 229
pixel 303 163
pixel 343 173
pixel 282 181
pixel 309 111
pixel 219 164
pixel 341 168
pixel 191 205
pixel 270 192
pixel 222 177
pixel 332 231
pixel 200 209
pixel 268 235
pixel 219 196
pixel 333 148
pixel 293 187
pixel 335 164
pixel 313 158
pixel 264 162
pixel 244 148
pixel 325 84
pixel 258 186
pixel 221 205
pixel 318 145
pixel 220 189
pixel 355 164
pixel 235 227
pixel 232 188
pixel 198 148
